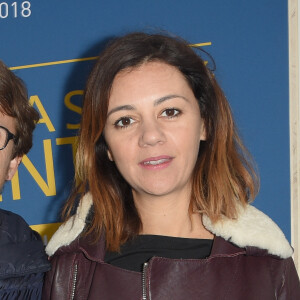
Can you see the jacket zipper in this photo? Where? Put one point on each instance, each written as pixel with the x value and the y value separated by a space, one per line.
pixel 144 281
pixel 74 281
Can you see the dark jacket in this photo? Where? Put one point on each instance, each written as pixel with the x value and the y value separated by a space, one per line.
pixel 23 260
pixel 230 272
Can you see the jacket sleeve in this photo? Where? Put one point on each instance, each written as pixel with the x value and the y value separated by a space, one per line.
pixel 290 288
pixel 23 287
pixel 58 281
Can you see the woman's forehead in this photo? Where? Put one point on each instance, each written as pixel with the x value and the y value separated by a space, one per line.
pixel 146 78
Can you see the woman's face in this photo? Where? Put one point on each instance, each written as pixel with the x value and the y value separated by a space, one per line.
pixel 153 129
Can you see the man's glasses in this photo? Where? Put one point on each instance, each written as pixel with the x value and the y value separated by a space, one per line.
pixel 5 137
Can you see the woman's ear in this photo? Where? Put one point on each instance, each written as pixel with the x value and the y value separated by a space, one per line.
pixel 202 131
pixel 13 166
pixel 109 155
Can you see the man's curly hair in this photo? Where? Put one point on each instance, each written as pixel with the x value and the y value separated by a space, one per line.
pixel 14 103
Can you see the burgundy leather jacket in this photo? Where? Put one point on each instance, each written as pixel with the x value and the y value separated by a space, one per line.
pixel 230 272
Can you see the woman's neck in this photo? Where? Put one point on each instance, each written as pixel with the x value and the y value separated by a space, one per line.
pixel 165 215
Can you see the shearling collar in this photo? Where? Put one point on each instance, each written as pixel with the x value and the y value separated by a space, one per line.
pixel 71 229
pixel 251 229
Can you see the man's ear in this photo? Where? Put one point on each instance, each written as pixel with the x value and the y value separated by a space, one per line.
pixel 13 166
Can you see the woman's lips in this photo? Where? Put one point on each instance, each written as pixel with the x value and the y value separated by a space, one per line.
pixel 158 162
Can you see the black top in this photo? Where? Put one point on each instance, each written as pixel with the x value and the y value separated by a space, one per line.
pixel 136 252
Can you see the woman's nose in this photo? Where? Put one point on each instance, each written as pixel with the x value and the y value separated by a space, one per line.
pixel 151 134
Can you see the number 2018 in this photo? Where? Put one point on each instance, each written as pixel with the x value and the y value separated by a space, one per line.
pixel 15 10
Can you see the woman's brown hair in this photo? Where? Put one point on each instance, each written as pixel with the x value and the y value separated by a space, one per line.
pixel 223 176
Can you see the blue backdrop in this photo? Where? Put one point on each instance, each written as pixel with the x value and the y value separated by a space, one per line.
pixel 45 41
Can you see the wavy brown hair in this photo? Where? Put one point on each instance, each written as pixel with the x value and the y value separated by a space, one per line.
pixel 223 176
pixel 14 103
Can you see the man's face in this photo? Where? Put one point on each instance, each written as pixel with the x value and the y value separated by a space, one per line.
pixel 8 165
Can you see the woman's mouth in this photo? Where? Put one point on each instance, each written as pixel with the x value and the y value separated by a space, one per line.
pixel 154 163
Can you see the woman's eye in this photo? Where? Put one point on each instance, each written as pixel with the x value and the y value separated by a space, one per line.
pixel 170 112
pixel 124 122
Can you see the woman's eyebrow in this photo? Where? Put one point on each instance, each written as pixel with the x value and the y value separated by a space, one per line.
pixel 168 97
pixel 156 102
pixel 123 107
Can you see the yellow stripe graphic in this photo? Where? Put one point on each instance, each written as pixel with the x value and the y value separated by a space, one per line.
pixel 53 63
pixel 59 62
pixel 201 44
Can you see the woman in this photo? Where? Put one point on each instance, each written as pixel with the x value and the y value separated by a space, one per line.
pixel 164 184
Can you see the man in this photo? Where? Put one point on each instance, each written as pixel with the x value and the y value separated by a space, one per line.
pixel 22 257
